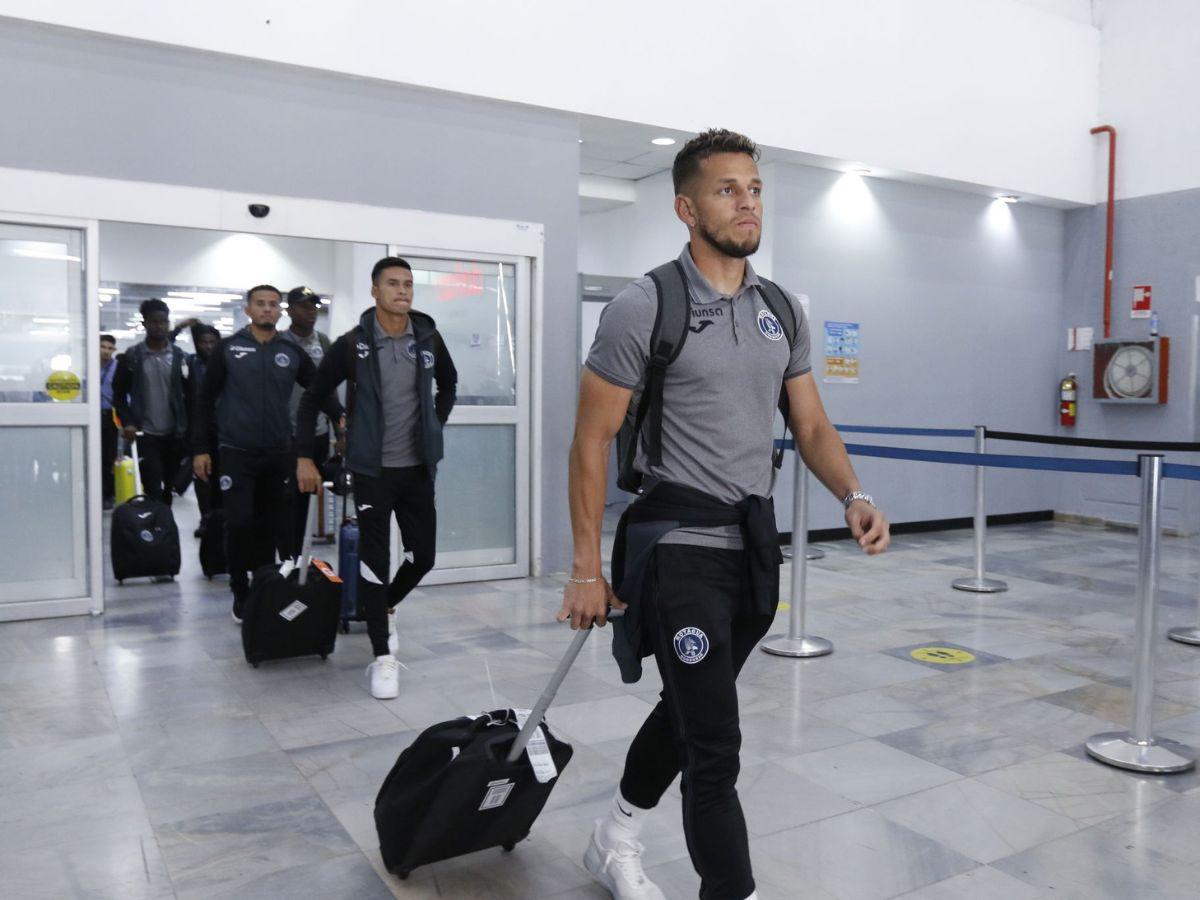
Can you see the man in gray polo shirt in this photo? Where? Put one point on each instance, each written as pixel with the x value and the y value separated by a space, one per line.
pixel 403 389
pixel 152 395
pixel 701 539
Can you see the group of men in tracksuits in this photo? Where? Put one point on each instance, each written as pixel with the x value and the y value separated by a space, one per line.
pixel 259 412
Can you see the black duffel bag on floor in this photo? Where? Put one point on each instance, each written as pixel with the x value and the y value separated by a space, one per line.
pixel 293 609
pixel 471 783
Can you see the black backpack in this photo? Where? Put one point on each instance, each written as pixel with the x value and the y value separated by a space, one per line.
pixel 666 342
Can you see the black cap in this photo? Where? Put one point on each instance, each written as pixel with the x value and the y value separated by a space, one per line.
pixel 303 295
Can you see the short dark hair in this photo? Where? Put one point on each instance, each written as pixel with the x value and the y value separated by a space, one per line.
pixel 154 305
pixel 704 145
pixel 388 262
pixel 202 330
pixel 108 337
pixel 264 287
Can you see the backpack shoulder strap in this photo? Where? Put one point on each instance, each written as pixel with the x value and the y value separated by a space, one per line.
pixel 781 307
pixel 666 342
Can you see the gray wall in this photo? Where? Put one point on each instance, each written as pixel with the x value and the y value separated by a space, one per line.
pixel 958 298
pixel 91 105
pixel 1157 242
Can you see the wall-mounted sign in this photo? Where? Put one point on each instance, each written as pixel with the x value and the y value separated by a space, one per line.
pixel 841 352
pixel 62 386
pixel 1141 302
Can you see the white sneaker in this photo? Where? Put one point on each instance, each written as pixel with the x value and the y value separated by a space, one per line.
pixel 619 868
pixel 385 678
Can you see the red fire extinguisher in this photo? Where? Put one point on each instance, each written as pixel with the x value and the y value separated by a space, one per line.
pixel 1068 390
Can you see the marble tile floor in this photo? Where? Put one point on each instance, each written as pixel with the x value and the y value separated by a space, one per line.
pixel 140 757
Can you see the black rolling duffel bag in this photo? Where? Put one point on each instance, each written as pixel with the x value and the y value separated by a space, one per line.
pixel 293 609
pixel 145 539
pixel 471 783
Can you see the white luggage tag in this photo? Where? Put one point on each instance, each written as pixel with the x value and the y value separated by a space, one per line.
pixel 539 751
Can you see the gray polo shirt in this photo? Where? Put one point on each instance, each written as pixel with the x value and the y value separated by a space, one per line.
pixel 398 388
pixel 157 416
pixel 720 395
pixel 316 352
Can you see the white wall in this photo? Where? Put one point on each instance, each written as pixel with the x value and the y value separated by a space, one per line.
pixel 1149 73
pixel 993 92
pixel 151 254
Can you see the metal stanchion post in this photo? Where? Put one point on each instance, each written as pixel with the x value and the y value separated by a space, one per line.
pixel 1186 634
pixel 810 553
pixel 1139 749
pixel 979 583
pixel 797 643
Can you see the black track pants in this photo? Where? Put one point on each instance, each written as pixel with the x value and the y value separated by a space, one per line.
pixel 256 495
pixel 701 638
pixel 406 493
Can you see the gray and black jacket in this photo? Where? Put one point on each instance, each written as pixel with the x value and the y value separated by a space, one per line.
pixel 352 358
pixel 247 388
pixel 129 388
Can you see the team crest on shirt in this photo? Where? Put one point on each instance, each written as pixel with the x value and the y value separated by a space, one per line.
pixel 691 645
pixel 226 482
pixel 146 535
pixel 282 360
pixel 363 350
pixel 411 349
pixel 427 359
pixel 769 326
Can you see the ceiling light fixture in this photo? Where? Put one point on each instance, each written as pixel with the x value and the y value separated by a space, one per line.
pixel 663 142
pixel 861 170
pixel 593 287
pixel 1009 198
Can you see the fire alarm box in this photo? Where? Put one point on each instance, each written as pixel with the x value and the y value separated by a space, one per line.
pixel 1131 371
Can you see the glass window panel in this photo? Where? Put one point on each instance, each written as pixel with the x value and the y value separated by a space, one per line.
pixel 477 497
pixel 42 469
pixel 474 305
pixel 42 328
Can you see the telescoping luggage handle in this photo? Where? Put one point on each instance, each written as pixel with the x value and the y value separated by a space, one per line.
pixel 310 524
pixel 556 680
pixel 137 466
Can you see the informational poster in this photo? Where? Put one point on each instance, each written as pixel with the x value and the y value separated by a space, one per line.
pixel 841 352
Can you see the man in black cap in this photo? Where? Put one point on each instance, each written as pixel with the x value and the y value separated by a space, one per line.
pixel 303 306
pixel 246 391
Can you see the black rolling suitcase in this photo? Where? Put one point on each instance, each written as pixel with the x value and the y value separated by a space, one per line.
pixel 145 539
pixel 471 783
pixel 293 609
pixel 212 544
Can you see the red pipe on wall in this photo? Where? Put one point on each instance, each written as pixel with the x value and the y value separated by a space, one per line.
pixel 1108 239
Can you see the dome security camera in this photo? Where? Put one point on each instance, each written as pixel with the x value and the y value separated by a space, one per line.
pixel 259 210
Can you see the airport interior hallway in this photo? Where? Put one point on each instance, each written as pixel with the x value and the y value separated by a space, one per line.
pixel 141 757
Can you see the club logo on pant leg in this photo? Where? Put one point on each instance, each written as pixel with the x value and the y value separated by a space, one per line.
pixel 226 482
pixel 691 645
pixel 146 535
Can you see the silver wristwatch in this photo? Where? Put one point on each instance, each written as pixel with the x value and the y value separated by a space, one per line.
pixel 857 495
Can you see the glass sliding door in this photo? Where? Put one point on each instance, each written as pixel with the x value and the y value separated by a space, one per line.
pixel 482 308
pixel 49 420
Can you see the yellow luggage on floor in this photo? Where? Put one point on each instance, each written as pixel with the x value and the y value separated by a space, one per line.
pixel 124 479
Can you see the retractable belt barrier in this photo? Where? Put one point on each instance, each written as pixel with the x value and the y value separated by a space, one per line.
pixel 1137 749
